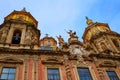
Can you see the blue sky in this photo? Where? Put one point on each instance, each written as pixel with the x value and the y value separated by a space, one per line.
pixel 55 17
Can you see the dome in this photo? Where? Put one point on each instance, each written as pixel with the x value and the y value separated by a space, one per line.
pixel 93 29
pixel 48 42
pixel 22 15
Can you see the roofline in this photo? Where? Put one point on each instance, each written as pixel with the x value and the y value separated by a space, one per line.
pixel 94 24
pixel 24 12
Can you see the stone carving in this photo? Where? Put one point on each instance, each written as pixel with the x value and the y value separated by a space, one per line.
pixel 71 34
pixel 34 39
pixel 108 63
pixel 60 39
pixel 28 37
pixel 80 52
pixel 68 73
pixel 4 34
pixel 52 60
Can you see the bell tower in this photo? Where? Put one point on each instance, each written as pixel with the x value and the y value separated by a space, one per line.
pixel 99 37
pixel 19 30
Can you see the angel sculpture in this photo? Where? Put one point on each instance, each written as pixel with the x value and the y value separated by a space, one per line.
pixel 72 34
pixel 60 39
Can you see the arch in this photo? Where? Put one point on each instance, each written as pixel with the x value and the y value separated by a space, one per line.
pixel 16 37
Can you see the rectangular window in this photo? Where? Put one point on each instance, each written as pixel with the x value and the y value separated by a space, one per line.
pixel 53 74
pixel 84 74
pixel 8 73
pixel 112 75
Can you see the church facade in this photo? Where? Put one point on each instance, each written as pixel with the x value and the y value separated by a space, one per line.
pixel 26 56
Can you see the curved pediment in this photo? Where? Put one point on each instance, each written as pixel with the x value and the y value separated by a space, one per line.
pixel 52 60
pixel 11 60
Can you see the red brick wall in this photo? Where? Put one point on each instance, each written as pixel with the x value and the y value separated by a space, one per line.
pixel 30 69
pixel 20 72
pixel 118 71
pixel 63 72
pixel 40 71
pixel 95 70
pixel 71 70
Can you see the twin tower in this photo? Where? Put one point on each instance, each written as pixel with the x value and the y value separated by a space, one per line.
pixel 24 56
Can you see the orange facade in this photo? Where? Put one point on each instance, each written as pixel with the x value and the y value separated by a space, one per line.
pixel 26 56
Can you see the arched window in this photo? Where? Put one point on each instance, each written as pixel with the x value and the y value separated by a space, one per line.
pixel 43 44
pixel 16 37
pixel 49 43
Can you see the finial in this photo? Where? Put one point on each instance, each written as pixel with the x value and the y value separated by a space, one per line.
pixel 86 18
pixel 89 21
pixel 46 35
pixel 24 9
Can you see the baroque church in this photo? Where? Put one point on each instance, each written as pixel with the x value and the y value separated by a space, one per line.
pixel 26 56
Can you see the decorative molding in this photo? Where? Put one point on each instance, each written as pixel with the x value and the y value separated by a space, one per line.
pixel 12 60
pixel 52 60
pixel 108 63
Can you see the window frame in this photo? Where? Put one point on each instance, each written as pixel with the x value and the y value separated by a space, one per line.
pixel 84 68
pixel 54 69
pixel 10 65
pixel 49 43
pixel 9 71
pixel 92 72
pixel 46 66
pixel 112 71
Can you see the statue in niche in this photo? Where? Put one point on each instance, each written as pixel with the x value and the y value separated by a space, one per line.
pixel 34 39
pixel 4 34
pixel 28 37
pixel 71 34
pixel 60 39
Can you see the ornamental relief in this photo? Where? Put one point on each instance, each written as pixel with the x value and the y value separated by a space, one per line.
pixel 79 53
pixel 81 64
pixel 28 37
pixel 10 59
pixel 108 63
pixel 3 34
pixel 31 36
pixel 52 60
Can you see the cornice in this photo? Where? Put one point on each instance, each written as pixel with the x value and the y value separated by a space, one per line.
pixel 106 55
pixel 32 52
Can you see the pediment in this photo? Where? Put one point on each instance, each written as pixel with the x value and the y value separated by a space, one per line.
pixel 108 64
pixel 11 60
pixel 52 60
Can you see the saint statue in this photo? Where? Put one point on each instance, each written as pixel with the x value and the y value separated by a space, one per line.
pixel 4 34
pixel 72 34
pixel 60 39
pixel 28 37
pixel 35 39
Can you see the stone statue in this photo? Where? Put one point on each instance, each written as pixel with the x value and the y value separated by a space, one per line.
pixel 28 37
pixel 72 34
pixel 60 39
pixel 4 34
